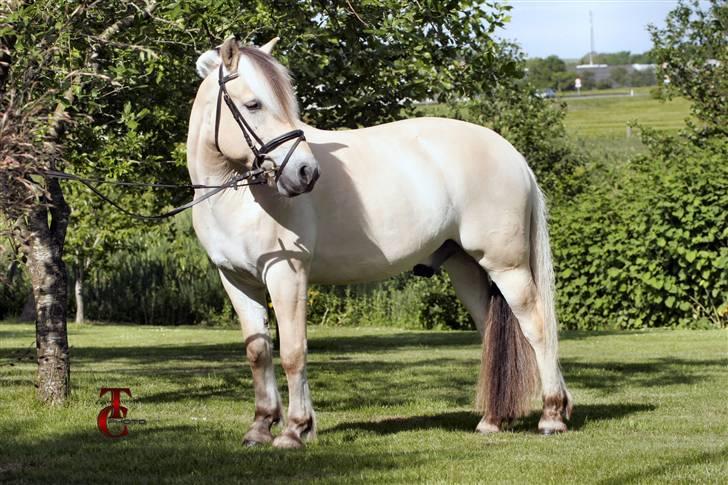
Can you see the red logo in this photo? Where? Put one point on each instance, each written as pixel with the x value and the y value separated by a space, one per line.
pixel 115 412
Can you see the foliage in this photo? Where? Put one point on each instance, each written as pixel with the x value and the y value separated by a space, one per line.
pixel 692 52
pixel 14 285
pixel 620 58
pixel 402 302
pixel 166 278
pixel 549 73
pixel 360 63
pixel 649 247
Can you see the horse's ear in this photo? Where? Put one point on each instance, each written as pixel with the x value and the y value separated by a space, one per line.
pixel 268 47
pixel 230 54
pixel 207 62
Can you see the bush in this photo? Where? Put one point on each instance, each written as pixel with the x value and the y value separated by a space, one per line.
pixel 650 249
pixel 403 301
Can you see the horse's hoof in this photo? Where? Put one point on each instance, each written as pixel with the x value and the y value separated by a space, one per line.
pixel 484 427
pixel 551 428
pixel 288 441
pixel 257 435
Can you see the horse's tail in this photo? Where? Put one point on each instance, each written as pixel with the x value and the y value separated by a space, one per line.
pixel 508 371
pixel 543 275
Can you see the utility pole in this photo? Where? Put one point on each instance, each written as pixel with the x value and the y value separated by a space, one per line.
pixel 591 44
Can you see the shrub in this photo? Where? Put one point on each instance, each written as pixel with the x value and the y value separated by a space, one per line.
pixel 651 249
pixel 403 301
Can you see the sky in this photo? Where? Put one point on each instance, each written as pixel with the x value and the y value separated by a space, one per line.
pixel 561 27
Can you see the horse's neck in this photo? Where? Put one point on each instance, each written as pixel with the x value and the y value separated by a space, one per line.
pixel 210 168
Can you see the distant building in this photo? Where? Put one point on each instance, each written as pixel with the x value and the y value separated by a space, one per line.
pixel 644 67
pixel 591 66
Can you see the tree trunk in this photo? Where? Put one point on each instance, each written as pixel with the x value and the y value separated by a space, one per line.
pixel 49 278
pixel 80 316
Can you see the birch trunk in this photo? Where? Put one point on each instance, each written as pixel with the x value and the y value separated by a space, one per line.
pixel 78 287
pixel 49 279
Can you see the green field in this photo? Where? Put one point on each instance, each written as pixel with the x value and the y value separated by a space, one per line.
pixel 608 116
pixel 393 406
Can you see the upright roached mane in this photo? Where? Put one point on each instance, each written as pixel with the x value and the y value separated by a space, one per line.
pixel 426 191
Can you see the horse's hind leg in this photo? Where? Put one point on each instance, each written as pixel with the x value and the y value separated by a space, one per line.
pixel 520 292
pixel 249 304
pixel 471 285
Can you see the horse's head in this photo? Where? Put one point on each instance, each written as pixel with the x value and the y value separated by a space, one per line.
pixel 255 122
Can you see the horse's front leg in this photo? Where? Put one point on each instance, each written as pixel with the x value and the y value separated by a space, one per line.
pixel 287 287
pixel 249 304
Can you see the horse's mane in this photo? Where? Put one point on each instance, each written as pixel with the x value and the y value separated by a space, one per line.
pixel 269 81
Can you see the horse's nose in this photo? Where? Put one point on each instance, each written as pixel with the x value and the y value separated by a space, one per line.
pixel 308 174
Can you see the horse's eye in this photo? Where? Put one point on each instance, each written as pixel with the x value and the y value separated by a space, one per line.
pixel 253 105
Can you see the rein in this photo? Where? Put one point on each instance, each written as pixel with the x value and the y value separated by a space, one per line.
pixel 242 180
pixel 261 151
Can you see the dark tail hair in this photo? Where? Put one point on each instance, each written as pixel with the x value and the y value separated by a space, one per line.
pixel 508 371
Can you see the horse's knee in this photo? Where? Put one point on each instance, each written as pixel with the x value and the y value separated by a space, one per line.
pixel 293 360
pixel 258 351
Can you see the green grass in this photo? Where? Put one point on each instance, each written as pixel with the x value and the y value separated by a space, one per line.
pixel 607 117
pixel 393 406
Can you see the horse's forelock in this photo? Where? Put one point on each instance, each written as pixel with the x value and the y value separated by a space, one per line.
pixel 270 81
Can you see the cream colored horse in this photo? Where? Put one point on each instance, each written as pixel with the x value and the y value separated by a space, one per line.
pixel 387 199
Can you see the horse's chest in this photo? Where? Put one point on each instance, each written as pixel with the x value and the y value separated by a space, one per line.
pixel 228 238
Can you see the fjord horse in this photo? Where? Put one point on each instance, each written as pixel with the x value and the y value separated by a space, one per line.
pixel 360 205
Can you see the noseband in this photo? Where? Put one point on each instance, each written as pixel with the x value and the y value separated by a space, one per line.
pixel 260 150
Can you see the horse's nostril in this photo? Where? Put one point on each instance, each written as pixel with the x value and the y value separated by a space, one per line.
pixel 305 173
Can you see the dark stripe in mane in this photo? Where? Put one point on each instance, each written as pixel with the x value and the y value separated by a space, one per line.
pixel 277 77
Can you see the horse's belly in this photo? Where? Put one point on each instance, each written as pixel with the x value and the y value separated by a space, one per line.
pixel 355 254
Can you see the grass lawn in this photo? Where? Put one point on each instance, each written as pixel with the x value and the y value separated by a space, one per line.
pixel 393 406
pixel 607 117
pixel 597 121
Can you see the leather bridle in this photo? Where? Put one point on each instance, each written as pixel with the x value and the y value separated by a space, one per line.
pixel 260 149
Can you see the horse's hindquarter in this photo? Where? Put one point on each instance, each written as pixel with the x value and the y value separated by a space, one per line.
pixel 390 195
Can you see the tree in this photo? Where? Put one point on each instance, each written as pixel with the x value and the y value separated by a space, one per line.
pixel 103 89
pixel 692 52
pixel 71 67
pixel 358 63
pixel 546 73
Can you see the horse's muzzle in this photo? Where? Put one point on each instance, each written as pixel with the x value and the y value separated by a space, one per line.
pixel 302 182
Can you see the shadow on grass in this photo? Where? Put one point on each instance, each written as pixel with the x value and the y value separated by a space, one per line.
pixel 466 421
pixel 666 469
pixel 611 376
pixel 176 454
